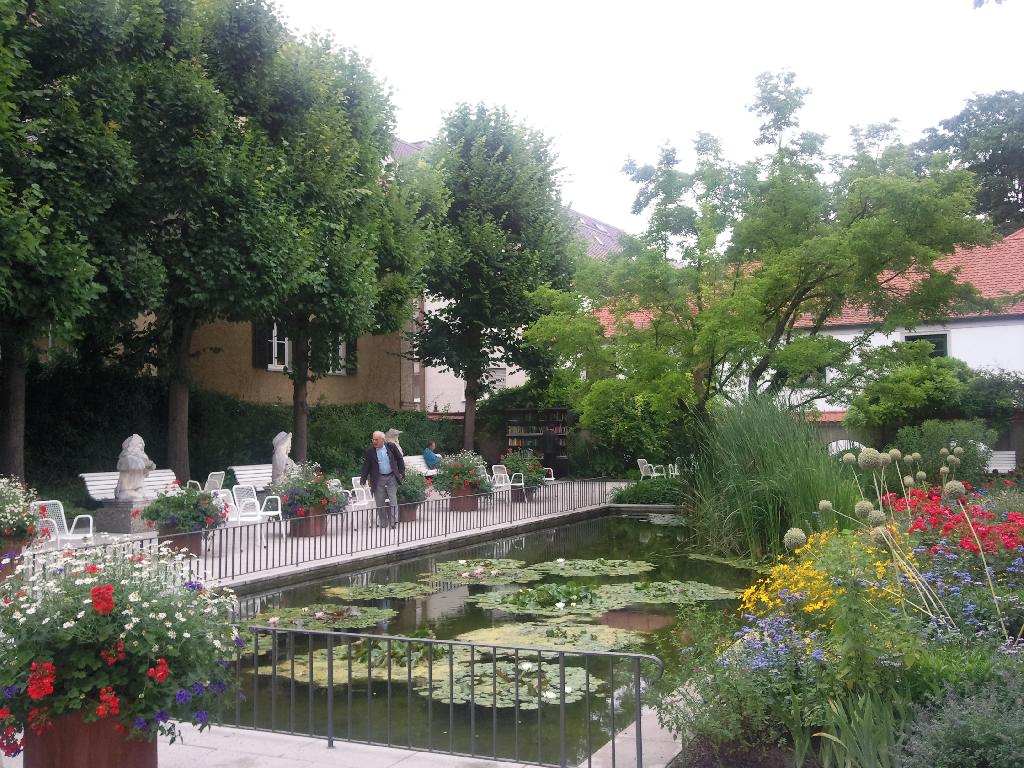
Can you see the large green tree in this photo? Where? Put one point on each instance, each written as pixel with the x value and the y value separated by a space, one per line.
pixel 506 236
pixel 987 137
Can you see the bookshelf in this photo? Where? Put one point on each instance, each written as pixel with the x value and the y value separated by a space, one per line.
pixel 524 431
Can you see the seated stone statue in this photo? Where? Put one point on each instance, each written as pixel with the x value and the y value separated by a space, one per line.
pixel 282 463
pixel 133 465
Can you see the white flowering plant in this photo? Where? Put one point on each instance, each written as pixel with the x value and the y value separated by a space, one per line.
pixel 131 639
pixel 17 519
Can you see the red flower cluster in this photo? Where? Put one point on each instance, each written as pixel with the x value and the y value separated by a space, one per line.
pixel 103 598
pixel 933 516
pixel 159 672
pixel 90 568
pixel 10 744
pixel 40 680
pixel 109 703
pixel 115 655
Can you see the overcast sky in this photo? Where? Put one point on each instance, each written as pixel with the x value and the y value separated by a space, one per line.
pixel 608 81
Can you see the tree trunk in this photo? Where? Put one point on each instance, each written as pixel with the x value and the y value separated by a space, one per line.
pixel 12 408
pixel 179 369
pixel 300 405
pixel 469 425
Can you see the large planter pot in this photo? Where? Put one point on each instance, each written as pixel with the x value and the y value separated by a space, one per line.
pixel 10 547
pixel 463 500
pixel 407 512
pixel 519 494
pixel 313 524
pixel 179 540
pixel 70 743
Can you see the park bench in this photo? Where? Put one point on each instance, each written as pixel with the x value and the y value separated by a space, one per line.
pixel 1003 462
pixel 418 465
pixel 100 486
pixel 256 475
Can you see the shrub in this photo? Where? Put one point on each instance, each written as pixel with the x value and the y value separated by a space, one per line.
pixel 464 469
pixel 185 509
pixel 762 471
pixel 305 489
pixel 412 489
pixel 657 491
pixel 529 465
pixel 932 436
pixel 983 728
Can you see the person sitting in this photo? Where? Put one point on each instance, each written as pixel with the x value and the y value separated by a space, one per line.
pixel 430 458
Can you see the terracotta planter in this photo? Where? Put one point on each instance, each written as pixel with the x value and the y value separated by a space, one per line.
pixel 181 540
pixel 312 524
pixel 407 512
pixel 463 500
pixel 10 547
pixel 74 744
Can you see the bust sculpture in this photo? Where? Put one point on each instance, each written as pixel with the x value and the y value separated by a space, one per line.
pixel 282 463
pixel 133 465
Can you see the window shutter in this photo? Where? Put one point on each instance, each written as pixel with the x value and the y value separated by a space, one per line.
pixel 260 345
pixel 351 361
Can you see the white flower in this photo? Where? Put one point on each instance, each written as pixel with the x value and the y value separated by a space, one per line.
pixel 186 635
pixel 172 634
pixel 134 597
pixel 526 666
pixel 568 689
pixel 161 616
pixel 550 694
pixel 572 605
pixel 559 605
pixel 560 560
pixel 80 614
pixel 68 624
pixel 273 621
pixel 462 562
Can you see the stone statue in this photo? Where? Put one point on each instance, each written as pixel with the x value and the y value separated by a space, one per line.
pixel 134 465
pixel 282 463
pixel 391 436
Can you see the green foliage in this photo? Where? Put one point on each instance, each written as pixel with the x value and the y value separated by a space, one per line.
pixel 412 489
pixel 980 728
pixel 659 490
pixel 596 567
pixel 322 616
pixel 665 592
pixel 491 572
pixel 462 470
pixel 547 600
pixel 185 509
pixel 528 465
pixel 525 686
pixel 306 491
pixel 761 472
pixel 555 634
pixel 932 436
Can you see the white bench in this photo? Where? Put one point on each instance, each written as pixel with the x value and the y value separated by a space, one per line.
pixel 256 475
pixel 1002 462
pixel 100 486
pixel 419 465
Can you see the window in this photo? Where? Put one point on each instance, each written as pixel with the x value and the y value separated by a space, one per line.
pixel 339 360
pixel 939 341
pixel 497 377
pixel 279 349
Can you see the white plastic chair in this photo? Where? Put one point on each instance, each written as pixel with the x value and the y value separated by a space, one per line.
pixel 361 496
pixel 650 471
pixel 673 469
pixel 248 509
pixel 54 512
pixel 214 482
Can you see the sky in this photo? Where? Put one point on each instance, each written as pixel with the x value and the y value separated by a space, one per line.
pixel 611 81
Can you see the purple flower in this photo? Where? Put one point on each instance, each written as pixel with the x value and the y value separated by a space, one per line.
pixel 140 723
pixel 11 692
pixel 198 689
pixel 183 696
pixel 218 687
pixel 161 716
pixel 239 642
pixel 201 716
pixel 195 586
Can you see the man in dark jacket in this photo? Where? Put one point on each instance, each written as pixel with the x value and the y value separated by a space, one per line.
pixel 384 466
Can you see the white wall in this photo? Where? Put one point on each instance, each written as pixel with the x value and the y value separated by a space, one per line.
pixel 444 390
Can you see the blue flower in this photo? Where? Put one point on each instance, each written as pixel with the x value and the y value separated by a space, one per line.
pixel 195 586
pixel 201 716
pixel 218 687
pixel 140 723
pixel 198 689
pixel 161 716
pixel 239 642
pixel 183 696
pixel 11 692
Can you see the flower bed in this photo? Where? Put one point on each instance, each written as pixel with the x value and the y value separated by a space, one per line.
pixel 465 472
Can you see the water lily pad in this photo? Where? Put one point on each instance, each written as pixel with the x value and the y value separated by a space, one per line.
pixel 505 685
pixel 398 589
pixel 323 616
pixel 548 600
pixel 597 567
pixel 554 634
pixel 663 592
pixel 658 518
pixel 489 572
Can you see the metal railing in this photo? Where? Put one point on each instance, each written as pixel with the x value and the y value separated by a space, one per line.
pixel 543 706
pixel 235 550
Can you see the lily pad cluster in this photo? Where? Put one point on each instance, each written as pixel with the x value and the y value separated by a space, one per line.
pixel 597 567
pixel 490 572
pixel 681 592
pixel 506 684
pixel 545 600
pixel 397 590
pixel 555 634
pixel 323 616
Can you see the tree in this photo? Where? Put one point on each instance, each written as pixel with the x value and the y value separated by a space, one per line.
pixel 987 137
pixel 507 235
pixel 731 289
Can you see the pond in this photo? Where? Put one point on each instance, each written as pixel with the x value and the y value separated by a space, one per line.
pixel 517 717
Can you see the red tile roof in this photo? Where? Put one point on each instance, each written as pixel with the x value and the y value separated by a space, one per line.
pixel 828 417
pixel 997 271
pixel 640 319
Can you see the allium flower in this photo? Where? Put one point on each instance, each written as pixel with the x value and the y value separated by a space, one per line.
pixel 943 470
pixel 863 508
pixel 880 535
pixel 944 452
pixel 885 458
pixel 958 451
pixel 915 456
pixel 824 506
pixel 954 490
pixel 953 461
pixel 876 518
pixel 869 459
pixel 895 454
pixel 794 539
pixel 920 476
pixel 849 458
pixel 908 480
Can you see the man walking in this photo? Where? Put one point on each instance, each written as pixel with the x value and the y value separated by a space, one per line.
pixel 384 466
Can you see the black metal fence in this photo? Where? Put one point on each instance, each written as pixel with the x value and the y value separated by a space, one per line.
pixel 543 706
pixel 235 549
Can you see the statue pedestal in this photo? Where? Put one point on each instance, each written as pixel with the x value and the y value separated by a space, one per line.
pixel 116 517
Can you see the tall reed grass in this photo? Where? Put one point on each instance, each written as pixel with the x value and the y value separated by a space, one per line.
pixel 761 471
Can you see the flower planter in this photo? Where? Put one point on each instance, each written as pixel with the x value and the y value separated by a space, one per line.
pixel 521 495
pixel 10 547
pixel 71 743
pixel 181 540
pixel 463 500
pixel 313 524
pixel 407 512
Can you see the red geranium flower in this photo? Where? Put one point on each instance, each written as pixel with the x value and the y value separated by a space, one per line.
pixel 40 680
pixel 160 671
pixel 115 655
pixel 103 598
pixel 109 703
